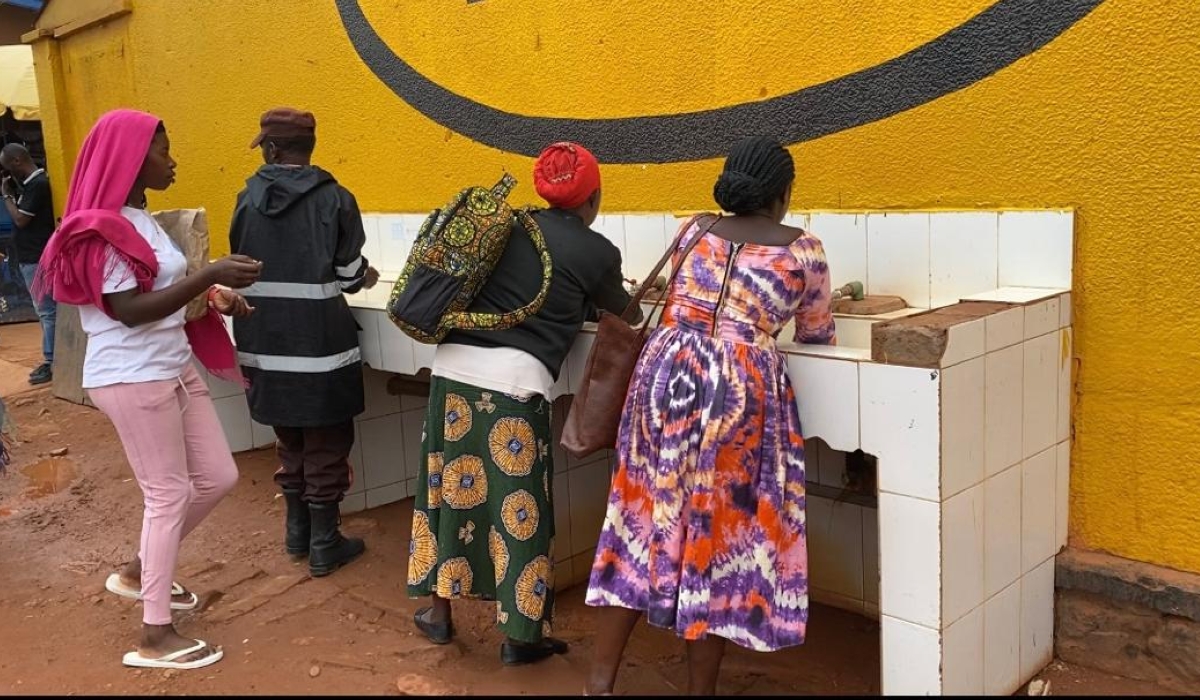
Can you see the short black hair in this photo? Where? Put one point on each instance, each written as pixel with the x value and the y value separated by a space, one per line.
pixel 757 173
pixel 296 145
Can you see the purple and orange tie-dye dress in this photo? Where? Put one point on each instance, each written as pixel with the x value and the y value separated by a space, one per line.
pixel 705 527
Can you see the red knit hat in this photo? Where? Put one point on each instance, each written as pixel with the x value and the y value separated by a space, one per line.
pixel 566 174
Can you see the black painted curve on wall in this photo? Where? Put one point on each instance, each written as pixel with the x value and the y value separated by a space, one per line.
pixel 989 42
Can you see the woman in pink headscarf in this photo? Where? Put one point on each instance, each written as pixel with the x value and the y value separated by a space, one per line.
pixel 110 258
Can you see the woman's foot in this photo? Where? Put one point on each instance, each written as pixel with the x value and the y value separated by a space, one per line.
pixel 131 577
pixel 516 653
pixel 436 628
pixel 162 640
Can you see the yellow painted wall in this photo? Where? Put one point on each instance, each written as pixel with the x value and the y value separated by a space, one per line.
pixel 1105 120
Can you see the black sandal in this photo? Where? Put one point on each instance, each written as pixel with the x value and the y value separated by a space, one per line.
pixel 438 633
pixel 518 654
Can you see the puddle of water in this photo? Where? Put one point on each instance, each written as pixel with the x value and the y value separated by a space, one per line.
pixel 49 476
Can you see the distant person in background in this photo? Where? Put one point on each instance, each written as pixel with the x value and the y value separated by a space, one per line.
pixel 300 348
pixel 26 191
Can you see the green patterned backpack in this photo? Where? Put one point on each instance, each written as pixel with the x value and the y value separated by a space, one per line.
pixel 454 255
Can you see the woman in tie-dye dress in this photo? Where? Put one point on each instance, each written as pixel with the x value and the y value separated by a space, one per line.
pixel 704 531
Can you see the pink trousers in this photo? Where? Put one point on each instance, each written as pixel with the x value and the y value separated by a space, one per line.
pixel 179 454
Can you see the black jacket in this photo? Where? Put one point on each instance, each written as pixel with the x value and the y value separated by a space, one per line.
pixel 299 348
pixel 586 277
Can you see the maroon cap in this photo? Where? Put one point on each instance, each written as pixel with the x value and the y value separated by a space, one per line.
pixel 284 122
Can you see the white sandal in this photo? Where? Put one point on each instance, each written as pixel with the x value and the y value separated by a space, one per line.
pixel 115 585
pixel 135 658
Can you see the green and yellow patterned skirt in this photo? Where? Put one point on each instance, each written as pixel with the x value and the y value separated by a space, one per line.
pixel 483 521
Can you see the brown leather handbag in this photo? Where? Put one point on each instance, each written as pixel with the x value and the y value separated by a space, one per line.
pixel 595 414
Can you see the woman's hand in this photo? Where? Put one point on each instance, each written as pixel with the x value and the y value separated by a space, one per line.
pixel 231 303
pixel 235 271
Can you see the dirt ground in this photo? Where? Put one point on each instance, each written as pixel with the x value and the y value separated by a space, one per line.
pixel 67 522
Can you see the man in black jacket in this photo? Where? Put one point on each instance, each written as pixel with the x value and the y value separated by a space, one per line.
pixel 299 350
pixel 32 212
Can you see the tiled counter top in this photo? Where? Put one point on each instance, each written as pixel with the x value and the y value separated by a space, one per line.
pixel 955 556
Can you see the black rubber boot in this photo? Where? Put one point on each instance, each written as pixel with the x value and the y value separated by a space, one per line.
pixel 328 550
pixel 298 526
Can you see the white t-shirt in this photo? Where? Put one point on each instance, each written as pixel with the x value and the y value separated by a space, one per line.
pixel 117 354
pixel 506 370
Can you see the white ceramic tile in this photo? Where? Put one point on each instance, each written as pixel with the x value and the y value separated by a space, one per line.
pixel 1064 310
pixel 797 219
pixel 851 332
pixel 1041 318
pixel 1003 403
pixel 261 435
pixel 234 415
pixel 395 349
pixel 1040 394
pixel 1039 476
pixel 1004 328
pixel 834 351
pixel 835 547
pixel 372 250
pixel 1001 530
pixel 910 559
pixel 870 527
pixel 835 600
pixel 1062 494
pixel 394 242
pixel 1017 295
pixel 587 513
pixel 833 466
pixel 383 451
pixel 898 256
pixel 962 655
pixel 384 495
pixel 844 237
pixel 368 336
pixel 911 657
pixel 422 355
pixel 219 388
pixel 646 239
pixel 965 341
pixel 378 401
pixel 1002 642
pixel 1036 249
pixel 1037 620
pixel 827 395
pixel 354 503
pixel 413 425
pixel 900 417
pixel 563 543
pixel 962 554
pixel 962 426
pixel 612 227
pixel 962 255
pixel 1066 388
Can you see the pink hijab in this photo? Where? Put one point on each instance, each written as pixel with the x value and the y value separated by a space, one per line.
pixel 76 261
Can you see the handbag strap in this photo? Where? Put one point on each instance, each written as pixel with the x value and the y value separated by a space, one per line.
pixel 637 298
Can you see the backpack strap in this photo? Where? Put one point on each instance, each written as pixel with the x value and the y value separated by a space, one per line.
pixel 506 320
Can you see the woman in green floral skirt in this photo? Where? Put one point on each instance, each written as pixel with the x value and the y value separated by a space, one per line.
pixel 483 520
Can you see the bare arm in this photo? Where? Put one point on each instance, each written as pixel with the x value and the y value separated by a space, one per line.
pixel 135 308
pixel 20 218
